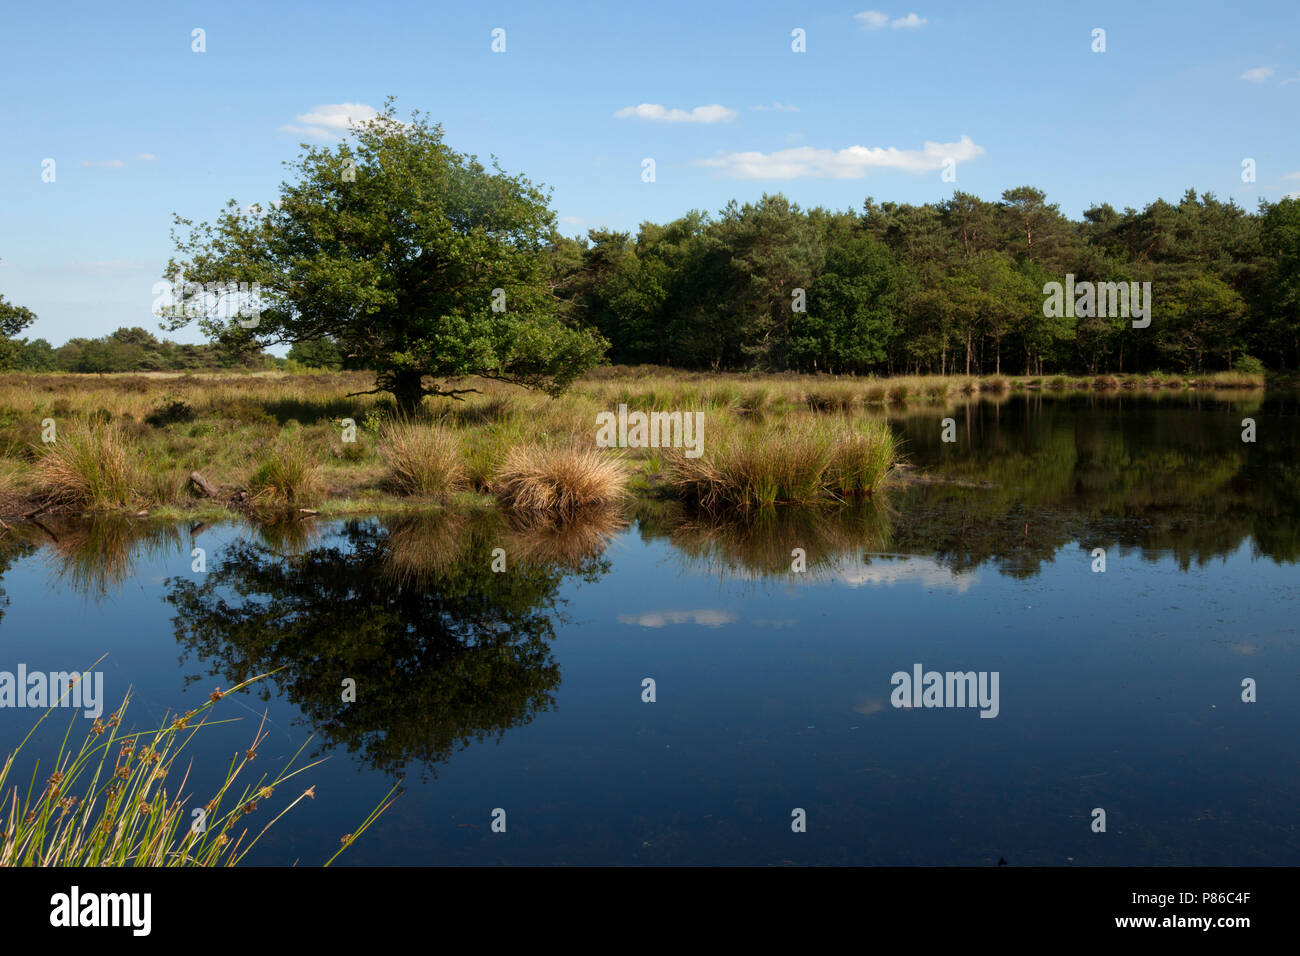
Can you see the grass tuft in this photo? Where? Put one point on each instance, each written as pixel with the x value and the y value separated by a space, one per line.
pixel 106 801
pixel 87 466
pixel 289 475
pixel 423 460
pixel 560 481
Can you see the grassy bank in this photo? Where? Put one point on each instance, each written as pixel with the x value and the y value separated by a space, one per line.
pixel 299 441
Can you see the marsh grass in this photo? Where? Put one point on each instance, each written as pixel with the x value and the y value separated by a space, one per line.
pixel 801 460
pixel 106 800
pixel 289 475
pixel 87 466
pixel 862 455
pixel 560 481
pixel 131 441
pixel 423 459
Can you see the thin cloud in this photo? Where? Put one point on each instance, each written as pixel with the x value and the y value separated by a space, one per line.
pixel 875 20
pixel 854 162
pixel 147 157
pixel 700 114
pixel 331 120
pixel 777 108
pixel 105 163
pixel 1259 74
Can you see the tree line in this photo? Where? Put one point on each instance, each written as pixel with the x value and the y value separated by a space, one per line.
pixel 955 286
pixel 126 350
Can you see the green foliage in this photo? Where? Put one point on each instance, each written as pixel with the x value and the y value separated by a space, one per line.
pixel 316 353
pixel 13 319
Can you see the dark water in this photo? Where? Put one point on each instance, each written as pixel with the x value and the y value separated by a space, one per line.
pixel 522 690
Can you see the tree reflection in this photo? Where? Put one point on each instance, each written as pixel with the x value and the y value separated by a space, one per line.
pixel 443 649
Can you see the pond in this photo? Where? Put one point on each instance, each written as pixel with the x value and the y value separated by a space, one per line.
pixel 1157 679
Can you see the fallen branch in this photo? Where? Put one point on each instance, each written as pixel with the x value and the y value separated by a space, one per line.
pixel 205 488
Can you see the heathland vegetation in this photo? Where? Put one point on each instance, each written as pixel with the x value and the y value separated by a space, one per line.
pixel 273 441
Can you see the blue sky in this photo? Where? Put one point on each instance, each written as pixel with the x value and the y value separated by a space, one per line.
pixel 141 126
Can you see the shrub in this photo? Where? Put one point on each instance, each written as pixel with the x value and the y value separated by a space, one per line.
pixel 1248 364
pixel 170 413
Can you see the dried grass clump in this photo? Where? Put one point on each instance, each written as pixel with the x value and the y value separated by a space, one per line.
pixel 560 481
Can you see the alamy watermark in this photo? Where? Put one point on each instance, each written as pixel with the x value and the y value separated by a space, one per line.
pixel 53 689
pixel 950 689
pixel 1084 300
pixel 651 430
pixel 211 299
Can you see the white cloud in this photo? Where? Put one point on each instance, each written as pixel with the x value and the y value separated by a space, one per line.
pixel 106 163
pixel 331 120
pixel 777 108
pixel 875 20
pixel 854 162
pixel 1259 74
pixel 701 114
pixel 708 617
pixel 909 22
pixel 147 157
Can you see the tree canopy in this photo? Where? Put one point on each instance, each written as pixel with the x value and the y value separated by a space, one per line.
pixel 415 260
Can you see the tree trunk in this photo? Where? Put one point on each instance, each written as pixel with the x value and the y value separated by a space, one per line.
pixel 408 389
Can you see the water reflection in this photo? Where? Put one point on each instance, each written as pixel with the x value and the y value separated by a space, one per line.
pixel 443 649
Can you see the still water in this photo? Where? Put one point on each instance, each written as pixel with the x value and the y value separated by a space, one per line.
pixel 773 689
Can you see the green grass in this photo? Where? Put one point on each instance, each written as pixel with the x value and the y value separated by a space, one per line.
pixel 290 474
